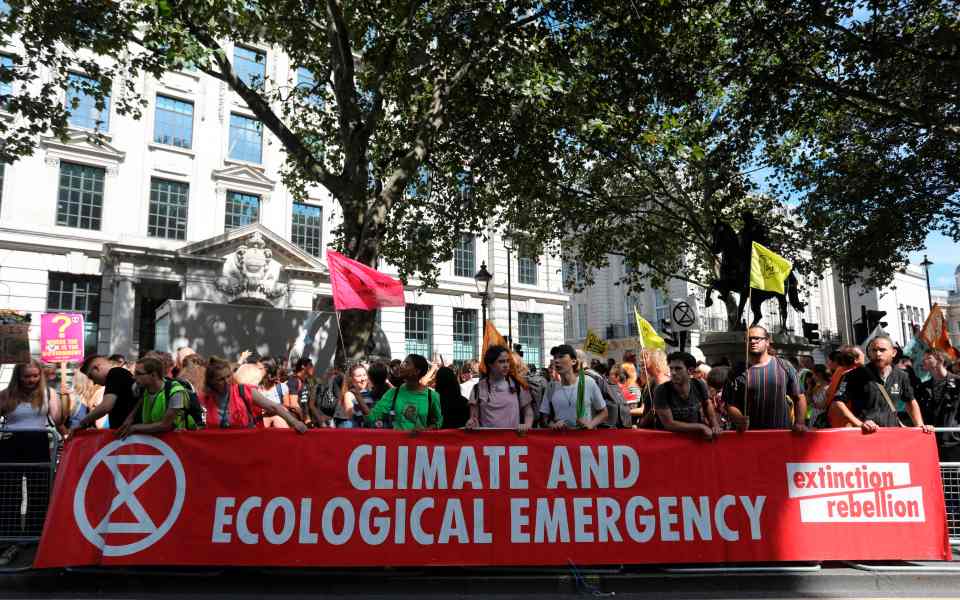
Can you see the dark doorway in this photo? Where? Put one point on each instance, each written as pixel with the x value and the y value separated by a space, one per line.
pixel 150 295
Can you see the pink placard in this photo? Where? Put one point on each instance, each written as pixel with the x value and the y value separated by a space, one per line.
pixel 61 337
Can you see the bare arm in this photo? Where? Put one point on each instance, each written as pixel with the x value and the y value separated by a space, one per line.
pixel 99 411
pixel 161 426
pixel 272 408
pixel 598 419
pixel 737 418
pixel 799 412
pixel 913 409
pixel 712 417
pixel 666 418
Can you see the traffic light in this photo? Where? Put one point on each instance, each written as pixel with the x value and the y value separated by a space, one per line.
pixel 860 332
pixel 873 319
pixel 811 331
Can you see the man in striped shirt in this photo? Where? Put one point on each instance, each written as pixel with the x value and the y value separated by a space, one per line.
pixel 758 397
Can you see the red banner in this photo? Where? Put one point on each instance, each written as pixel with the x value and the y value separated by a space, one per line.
pixel 377 498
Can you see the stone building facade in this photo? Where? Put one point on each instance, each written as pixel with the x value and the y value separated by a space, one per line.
pixel 187 204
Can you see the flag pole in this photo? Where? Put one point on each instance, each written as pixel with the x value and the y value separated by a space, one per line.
pixel 340 336
pixel 746 357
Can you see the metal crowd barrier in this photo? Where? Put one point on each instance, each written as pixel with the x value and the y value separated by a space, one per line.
pixel 950 475
pixel 28 463
pixel 27 468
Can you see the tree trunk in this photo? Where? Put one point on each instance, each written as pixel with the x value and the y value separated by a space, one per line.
pixel 356 328
pixel 361 243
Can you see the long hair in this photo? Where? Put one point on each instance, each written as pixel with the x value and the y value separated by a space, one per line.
pixel 347 384
pixel 378 374
pixel 448 384
pixel 271 373
pixel 17 394
pixel 216 368
pixel 490 358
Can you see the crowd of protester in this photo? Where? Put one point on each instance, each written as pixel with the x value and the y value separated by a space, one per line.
pixel 651 390
pixel 674 392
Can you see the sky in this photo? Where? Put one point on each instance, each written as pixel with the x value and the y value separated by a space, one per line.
pixel 944 253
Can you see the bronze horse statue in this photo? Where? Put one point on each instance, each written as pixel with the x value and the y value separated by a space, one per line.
pixel 734 274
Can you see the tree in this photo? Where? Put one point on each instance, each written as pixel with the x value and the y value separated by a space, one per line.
pixel 412 104
pixel 850 110
pixel 857 106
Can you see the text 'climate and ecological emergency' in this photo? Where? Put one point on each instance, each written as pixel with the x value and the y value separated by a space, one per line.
pixel 383 509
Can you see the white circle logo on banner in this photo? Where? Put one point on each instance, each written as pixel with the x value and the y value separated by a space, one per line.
pixel 126 495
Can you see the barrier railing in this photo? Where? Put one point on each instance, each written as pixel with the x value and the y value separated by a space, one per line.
pixel 27 468
pixel 950 474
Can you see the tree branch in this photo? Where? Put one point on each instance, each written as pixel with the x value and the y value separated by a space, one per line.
pixel 261 108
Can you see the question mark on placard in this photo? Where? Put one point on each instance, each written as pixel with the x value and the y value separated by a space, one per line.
pixel 63 321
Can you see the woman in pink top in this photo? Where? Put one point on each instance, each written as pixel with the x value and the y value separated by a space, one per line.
pixel 498 400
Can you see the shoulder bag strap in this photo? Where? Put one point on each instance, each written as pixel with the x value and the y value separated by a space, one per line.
pixel 886 397
pixel 393 403
pixel 429 406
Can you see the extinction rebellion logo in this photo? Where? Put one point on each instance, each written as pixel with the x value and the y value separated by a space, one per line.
pixel 131 474
pixel 855 492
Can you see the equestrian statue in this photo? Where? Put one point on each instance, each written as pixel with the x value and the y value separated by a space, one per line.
pixel 733 274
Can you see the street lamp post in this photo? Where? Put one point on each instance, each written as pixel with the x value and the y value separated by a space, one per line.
pixel 483 279
pixel 508 244
pixel 926 268
pixel 903 323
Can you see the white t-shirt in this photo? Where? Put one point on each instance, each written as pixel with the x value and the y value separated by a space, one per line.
pixel 467 387
pixel 564 401
pixel 277 394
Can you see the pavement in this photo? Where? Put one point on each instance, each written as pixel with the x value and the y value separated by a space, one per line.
pixel 826 580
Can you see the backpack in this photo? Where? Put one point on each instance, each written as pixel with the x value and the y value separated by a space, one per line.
pixel 193 409
pixel 184 420
pixel 618 413
pixel 326 399
pixel 537 386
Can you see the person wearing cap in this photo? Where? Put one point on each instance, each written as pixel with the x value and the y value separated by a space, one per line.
pixel 575 401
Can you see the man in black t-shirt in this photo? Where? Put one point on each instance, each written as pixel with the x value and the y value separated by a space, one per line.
pixel 118 399
pixel 682 402
pixel 868 395
pixel 302 384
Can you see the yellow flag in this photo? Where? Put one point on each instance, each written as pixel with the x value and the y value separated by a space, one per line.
pixel 768 270
pixel 648 335
pixel 594 344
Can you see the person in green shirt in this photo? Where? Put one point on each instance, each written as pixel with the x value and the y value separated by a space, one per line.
pixel 415 406
pixel 158 413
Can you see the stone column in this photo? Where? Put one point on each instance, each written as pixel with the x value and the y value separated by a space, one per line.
pixel 122 319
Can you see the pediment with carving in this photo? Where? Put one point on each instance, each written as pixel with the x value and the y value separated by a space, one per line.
pixel 257 263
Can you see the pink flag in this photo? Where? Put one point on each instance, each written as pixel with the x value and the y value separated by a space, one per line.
pixel 355 285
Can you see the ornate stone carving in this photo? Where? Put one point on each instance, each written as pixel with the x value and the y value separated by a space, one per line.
pixel 52 161
pixel 251 272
